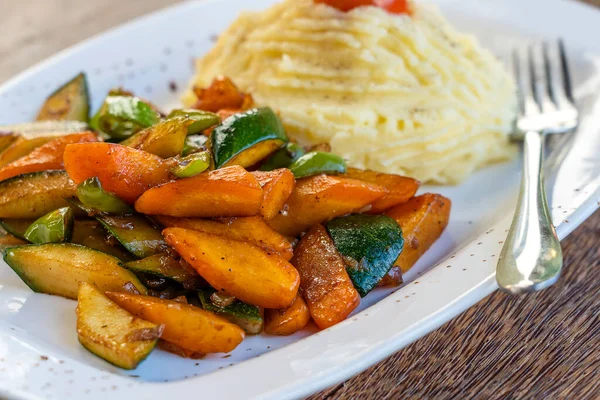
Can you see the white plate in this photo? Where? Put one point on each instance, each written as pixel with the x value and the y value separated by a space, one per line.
pixel 39 353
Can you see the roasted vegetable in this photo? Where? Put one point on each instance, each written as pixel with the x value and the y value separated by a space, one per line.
pixel 16 227
pixel 69 102
pixel 186 326
pixel 237 312
pixel 45 129
pixel 91 233
pixel 283 157
pixel 326 286
pixel 192 165
pixel 400 188
pixel 287 321
pixel 58 268
pixel 202 119
pixel 92 196
pixel 46 157
pixel 20 148
pixel 124 171
pixel 193 144
pixel 6 139
pixel 122 116
pixel 239 269
pixel 369 245
pixel 222 93
pixel 32 195
pixel 7 241
pixel 317 162
pixel 228 192
pixel 247 138
pixel 164 266
pixel 165 139
pixel 251 230
pixel 136 233
pixel 54 227
pixel 422 219
pixel 112 333
pixel 319 198
pixel 277 186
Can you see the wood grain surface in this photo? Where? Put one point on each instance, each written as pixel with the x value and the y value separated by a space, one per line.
pixel 540 346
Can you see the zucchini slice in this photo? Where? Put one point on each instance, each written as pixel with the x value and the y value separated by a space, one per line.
pixel 33 130
pixel 112 333
pixel 246 316
pixel 136 233
pixel 69 102
pixel 91 233
pixel 164 139
pixel 163 265
pixel 58 268
pixel 16 227
pixel 369 245
pixel 30 196
pixel 247 138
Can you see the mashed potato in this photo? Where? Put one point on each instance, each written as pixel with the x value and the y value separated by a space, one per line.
pixel 402 94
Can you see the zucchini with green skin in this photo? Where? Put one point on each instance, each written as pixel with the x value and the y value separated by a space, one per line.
pixel 283 157
pixel 91 233
pixel 69 102
pixel 32 195
pixel 164 266
pixel 192 165
pixel 57 268
pixel 16 227
pixel 136 233
pixel 247 138
pixel 54 227
pixel 246 316
pixel 202 119
pixel 122 116
pixel 369 245
pixel 112 333
pixel 317 162
pixel 91 194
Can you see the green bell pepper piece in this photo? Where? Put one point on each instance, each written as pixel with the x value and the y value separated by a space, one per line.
pixel 202 119
pixel 194 143
pixel 122 116
pixel 54 227
pixel 192 165
pixel 317 162
pixel 283 157
pixel 91 194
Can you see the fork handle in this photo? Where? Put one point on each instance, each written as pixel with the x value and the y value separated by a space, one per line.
pixel 531 258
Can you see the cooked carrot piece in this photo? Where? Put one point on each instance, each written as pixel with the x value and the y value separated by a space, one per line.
pixel 278 186
pixel 122 170
pixel 221 94
pixel 225 192
pixel 422 219
pixel 46 157
pixel 239 269
pixel 20 148
pixel 326 286
pixel 401 189
pixel 253 230
pixel 287 321
pixel 186 326
pixel 323 197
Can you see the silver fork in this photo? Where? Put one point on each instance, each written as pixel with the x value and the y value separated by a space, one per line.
pixel 531 258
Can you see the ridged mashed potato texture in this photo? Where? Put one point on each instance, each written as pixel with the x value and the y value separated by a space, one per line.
pixel 394 93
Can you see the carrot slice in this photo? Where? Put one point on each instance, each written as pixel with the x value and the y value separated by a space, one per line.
pixel 186 326
pixel 287 321
pixel 122 170
pixel 46 157
pixel 253 230
pixel 277 186
pixel 401 189
pixel 422 219
pixel 20 148
pixel 326 286
pixel 319 198
pixel 239 269
pixel 225 192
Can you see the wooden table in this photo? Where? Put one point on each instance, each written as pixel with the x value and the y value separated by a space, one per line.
pixel 541 346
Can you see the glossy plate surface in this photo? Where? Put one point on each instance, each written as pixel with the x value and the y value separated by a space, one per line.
pixel 39 353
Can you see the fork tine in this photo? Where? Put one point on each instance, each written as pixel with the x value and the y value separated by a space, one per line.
pixel 527 105
pixel 540 79
pixel 555 75
pixel 566 75
pixel 516 67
